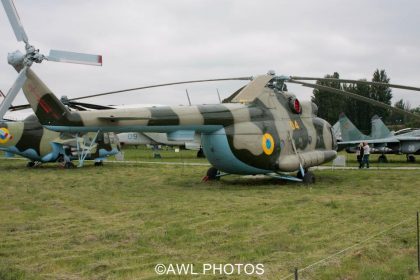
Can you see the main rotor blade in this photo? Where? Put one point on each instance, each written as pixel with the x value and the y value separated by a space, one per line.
pixel 358 97
pixel 89 105
pixel 73 57
pixel 163 85
pixel 19 107
pixel 77 108
pixel 14 20
pixel 4 107
pixel 355 82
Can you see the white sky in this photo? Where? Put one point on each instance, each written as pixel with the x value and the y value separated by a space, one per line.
pixel 148 42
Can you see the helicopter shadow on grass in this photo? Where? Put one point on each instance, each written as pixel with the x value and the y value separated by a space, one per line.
pixel 21 165
pixel 323 180
pixel 252 182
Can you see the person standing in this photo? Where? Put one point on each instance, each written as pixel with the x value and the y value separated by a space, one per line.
pixel 359 154
pixel 366 153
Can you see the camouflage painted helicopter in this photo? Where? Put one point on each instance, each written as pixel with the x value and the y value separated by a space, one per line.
pixel 30 140
pixel 259 129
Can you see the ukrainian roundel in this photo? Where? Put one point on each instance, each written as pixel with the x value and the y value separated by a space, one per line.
pixel 4 135
pixel 268 144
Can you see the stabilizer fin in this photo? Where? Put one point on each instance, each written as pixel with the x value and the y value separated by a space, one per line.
pixel 379 129
pixel 349 131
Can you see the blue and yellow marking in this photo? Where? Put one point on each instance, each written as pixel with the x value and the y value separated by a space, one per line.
pixel 268 144
pixel 5 135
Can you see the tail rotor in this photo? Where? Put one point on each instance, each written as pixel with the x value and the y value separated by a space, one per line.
pixel 22 62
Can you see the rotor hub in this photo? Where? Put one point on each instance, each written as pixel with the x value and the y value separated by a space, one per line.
pixel 33 55
pixel 16 58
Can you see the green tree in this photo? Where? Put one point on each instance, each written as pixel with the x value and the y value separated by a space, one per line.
pixel 396 118
pixel 330 105
pixel 357 111
pixel 381 93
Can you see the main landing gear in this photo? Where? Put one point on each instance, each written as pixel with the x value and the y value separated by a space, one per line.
pixel 65 162
pixel 212 174
pixel 382 159
pixel 303 175
pixel 200 153
pixel 411 158
pixel 308 177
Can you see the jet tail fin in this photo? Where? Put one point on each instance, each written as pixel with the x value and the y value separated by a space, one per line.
pixel 379 129
pixel 349 131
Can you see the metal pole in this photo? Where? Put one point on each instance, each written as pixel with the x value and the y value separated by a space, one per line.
pixel 188 96
pixel 296 274
pixel 218 94
pixel 418 243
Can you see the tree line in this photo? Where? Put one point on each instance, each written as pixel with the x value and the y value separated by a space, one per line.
pixel 331 105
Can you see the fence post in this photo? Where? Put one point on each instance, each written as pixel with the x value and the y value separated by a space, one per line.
pixel 418 243
pixel 296 274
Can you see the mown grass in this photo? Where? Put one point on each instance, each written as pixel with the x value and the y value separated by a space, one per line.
pixel 168 155
pixel 119 221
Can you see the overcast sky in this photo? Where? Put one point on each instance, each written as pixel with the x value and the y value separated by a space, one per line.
pixel 147 42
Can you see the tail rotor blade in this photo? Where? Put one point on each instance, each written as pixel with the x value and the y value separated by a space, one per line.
pixel 14 20
pixel 13 92
pixel 73 57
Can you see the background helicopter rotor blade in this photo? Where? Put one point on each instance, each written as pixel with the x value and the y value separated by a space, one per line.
pixel 11 94
pixel 358 97
pixel 74 57
pixel 355 82
pixel 14 20
pixel 162 85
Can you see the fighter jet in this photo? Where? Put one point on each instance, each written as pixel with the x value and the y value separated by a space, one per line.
pixel 382 140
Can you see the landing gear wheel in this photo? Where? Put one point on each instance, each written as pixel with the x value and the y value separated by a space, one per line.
pixel 299 174
pixel 99 163
pixel 200 153
pixel 382 159
pixel 60 158
pixel 30 164
pixel 411 158
pixel 156 155
pixel 68 165
pixel 212 173
pixel 309 178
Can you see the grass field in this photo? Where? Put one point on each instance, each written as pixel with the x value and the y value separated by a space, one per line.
pixel 120 220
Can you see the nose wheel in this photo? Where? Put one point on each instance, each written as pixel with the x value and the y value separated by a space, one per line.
pixel 99 163
pixel 33 164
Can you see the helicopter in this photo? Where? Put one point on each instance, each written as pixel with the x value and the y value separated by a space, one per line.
pixel 29 139
pixel 260 129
